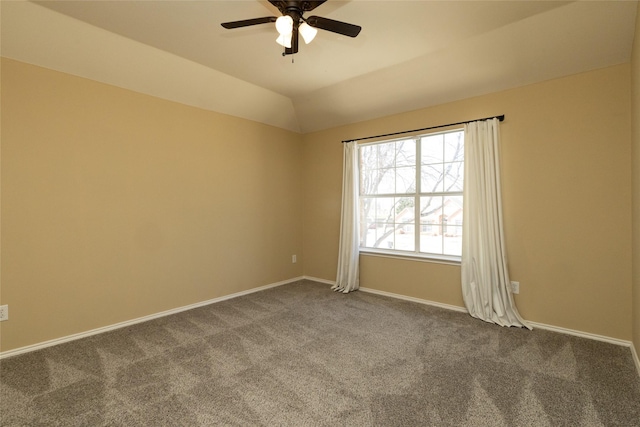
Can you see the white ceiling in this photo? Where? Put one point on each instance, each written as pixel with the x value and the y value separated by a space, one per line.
pixel 409 55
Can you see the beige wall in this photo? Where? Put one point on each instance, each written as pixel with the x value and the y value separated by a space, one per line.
pixel 566 150
pixel 117 205
pixel 635 108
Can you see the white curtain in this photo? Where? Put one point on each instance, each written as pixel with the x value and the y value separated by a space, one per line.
pixel 485 279
pixel 348 253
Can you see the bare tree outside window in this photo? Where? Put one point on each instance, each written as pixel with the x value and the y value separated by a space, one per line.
pixel 411 194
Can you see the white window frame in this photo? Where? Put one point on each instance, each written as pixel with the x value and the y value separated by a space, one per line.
pixel 415 254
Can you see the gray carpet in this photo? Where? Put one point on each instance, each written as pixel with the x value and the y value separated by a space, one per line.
pixel 302 355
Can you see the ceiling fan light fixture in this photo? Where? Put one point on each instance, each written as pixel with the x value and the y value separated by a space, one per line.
pixel 291 24
pixel 284 40
pixel 308 32
pixel 284 25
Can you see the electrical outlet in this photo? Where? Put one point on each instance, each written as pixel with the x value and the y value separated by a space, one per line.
pixel 515 287
pixel 4 312
pixel 294 259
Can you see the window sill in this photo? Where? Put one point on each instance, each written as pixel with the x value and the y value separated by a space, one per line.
pixel 442 259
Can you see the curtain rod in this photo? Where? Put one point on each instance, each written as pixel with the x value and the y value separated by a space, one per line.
pixel 500 118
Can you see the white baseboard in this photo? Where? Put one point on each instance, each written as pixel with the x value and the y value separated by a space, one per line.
pixel 126 323
pixel 392 295
pixel 634 353
pixel 581 334
pixel 418 300
pixel 319 280
pixel 96 331
pixel 552 328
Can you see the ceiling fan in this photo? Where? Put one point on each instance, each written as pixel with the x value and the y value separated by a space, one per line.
pixel 292 23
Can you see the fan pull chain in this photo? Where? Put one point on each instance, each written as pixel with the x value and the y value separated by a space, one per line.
pixel 292 57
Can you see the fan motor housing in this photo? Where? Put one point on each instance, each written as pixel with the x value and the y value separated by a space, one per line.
pixel 300 6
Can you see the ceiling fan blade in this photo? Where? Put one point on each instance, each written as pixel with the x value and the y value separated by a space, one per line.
pixel 281 5
pixel 248 22
pixel 334 26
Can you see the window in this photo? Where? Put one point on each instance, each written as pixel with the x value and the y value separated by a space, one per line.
pixel 413 184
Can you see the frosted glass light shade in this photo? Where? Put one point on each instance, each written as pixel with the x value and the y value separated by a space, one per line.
pixel 307 32
pixel 284 24
pixel 284 40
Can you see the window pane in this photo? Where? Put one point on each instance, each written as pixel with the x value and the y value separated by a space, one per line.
pixel 385 239
pixel 431 218
pixel 369 180
pixel 368 156
pixel 384 155
pixel 405 238
pixel 406 153
pixel 430 244
pixel 405 224
pixel 389 223
pixel 369 225
pixel 452 241
pixel 388 168
pixel 406 180
pixel 430 209
pixel 432 179
pixel 405 209
pixel 379 235
pixel 386 182
pixel 370 174
pixel 453 209
pixel 367 209
pixel 453 176
pixel 370 234
pixel 380 219
pixel 432 149
pixel 385 211
pixel 454 147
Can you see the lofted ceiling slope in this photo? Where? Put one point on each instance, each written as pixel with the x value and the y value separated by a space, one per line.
pixel 409 55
